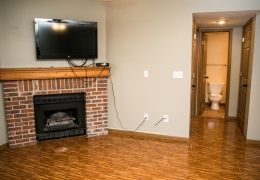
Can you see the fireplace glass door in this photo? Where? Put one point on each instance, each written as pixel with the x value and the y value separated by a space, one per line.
pixel 61 115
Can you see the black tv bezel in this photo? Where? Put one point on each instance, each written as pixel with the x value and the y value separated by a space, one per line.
pixel 64 56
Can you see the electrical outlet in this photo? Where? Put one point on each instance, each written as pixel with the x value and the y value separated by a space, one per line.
pixel 166 118
pixel 146 116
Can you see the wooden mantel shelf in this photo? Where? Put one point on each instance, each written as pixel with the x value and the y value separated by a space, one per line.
pixel 51 73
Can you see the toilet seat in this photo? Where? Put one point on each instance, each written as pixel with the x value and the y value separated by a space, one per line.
pixel 215 95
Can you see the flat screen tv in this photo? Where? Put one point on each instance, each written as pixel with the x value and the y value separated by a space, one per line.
pixel 65 39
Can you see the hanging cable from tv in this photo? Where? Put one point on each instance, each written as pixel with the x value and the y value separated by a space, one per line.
pixel 70 61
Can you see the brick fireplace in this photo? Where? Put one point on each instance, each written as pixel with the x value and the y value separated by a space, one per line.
pixel 18 96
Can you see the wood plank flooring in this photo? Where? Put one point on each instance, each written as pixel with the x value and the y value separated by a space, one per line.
pixel 219 113
pixel 216 151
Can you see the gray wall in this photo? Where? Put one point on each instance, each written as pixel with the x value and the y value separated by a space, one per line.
pixel 134 36
pixel 156 36
pixel 17 46
pixel 235 69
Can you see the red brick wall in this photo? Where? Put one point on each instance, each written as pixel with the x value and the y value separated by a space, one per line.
pixel 20 110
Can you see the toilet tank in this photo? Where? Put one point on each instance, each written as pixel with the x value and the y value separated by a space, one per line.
pixel 215 87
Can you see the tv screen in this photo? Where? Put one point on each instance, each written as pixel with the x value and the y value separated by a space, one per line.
pixel 65 39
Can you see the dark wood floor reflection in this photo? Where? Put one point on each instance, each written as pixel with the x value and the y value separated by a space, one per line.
pixel 216 151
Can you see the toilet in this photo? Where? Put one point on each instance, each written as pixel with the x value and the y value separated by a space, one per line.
pixel 215 90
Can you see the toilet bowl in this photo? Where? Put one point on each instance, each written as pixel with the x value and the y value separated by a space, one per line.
pixel 215 90
pixel 215 99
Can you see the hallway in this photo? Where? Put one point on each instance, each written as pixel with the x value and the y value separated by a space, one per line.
pixel 216 151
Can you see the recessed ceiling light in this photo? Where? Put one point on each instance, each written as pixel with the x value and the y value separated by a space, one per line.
pixel 221 22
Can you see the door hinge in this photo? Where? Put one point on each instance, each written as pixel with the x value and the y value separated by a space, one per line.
pixel 194 36
pixel 243 39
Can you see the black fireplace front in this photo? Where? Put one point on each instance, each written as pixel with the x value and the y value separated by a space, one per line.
pixel 60 115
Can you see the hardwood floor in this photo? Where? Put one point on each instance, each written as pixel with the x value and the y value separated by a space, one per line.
pixel 216 151
pixel 219 113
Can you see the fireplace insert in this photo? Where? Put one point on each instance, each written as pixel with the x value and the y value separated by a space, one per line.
pixel 59 115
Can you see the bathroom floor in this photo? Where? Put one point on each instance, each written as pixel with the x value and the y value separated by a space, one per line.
pixel 220 113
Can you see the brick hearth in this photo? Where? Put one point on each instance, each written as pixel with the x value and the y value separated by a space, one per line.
pixel 20 110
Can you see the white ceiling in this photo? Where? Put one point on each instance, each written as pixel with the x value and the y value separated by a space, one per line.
pixel 232 18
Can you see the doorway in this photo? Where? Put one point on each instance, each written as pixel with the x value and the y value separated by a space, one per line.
pixel 216 69
pixel 214 66
pixel 236 107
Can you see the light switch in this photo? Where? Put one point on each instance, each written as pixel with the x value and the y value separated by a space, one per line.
pixel 145 73
pixel 177 74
